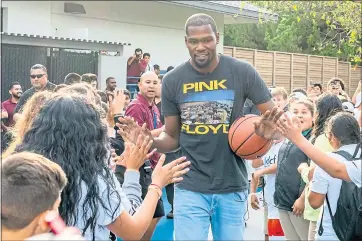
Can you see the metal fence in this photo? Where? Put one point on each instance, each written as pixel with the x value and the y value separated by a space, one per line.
pixel 293 71
pixel 63 62
pixel 16 61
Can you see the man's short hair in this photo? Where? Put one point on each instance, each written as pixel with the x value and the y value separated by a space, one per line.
pixel 146 54
pixel 13 84
pixel 108 79
pixel 72 78
pixel 31 184
pixel 156 66
pixel 169 68
pixel 280 91
pixel 200 19
pixel 138 50
pixel 39 66
pixel 89 78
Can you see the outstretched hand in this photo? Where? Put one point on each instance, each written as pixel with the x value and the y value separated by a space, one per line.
pixel 266 127
pixel 130 130
pixel 139 153
pixel 290 127
pixel 170 173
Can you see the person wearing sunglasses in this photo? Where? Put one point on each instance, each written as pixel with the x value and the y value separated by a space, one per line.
pixel 39 81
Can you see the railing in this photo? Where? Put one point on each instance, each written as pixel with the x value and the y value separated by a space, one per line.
pixel 132 85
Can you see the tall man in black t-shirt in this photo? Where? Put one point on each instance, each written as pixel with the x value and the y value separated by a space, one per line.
pixel 200 100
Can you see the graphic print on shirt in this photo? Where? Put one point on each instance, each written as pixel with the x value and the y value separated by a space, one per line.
pixel 206 107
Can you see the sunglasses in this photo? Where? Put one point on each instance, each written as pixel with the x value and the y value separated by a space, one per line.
pixel 33 76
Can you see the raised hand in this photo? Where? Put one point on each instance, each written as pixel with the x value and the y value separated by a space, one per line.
pixel 129 129
pixel 118 101
pixel 170 173
pixel 139 153
pixel 290 127
pixel 266 127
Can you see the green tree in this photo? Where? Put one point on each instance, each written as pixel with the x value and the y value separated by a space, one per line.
pixel 331 28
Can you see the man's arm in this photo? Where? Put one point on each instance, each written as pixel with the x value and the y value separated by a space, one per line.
pixel 330 165
pixel 157 132
pixel 4 113
pixel 168 140
pixel 130 60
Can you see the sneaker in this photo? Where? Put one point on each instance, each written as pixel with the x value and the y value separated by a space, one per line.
pixel 170 215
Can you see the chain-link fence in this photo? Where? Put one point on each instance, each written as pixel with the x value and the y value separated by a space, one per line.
pixel 16 61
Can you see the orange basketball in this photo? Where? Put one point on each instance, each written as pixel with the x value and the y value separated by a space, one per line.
pixel 243 140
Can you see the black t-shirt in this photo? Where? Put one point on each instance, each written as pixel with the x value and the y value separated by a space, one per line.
pixel 29 93
pixel 207 105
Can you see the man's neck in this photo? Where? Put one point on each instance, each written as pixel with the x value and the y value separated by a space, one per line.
pixel 210 68
pixel 149 100
pixel 42 88
pixel 14 100
pixel 157 100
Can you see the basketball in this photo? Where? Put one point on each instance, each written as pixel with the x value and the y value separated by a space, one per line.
pixel 243 140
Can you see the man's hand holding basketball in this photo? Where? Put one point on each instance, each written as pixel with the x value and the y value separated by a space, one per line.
pixel 266 127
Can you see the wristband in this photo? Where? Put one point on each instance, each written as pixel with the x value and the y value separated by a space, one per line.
pixel 155 188
pixel 152 184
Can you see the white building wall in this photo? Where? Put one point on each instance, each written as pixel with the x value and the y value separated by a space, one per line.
pixel 157 28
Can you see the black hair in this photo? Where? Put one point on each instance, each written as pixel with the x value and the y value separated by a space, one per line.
pixel 200 19
pixel 13 84
pixel 108 79
pixel 138 50
pixel 327 105
pixel 345 128
pixel 300 91
pixel 72 78
pixel 319 85
pixel 39 66
pixel 156 66
pixel 68 130
pixel 146 54
pixel 169 68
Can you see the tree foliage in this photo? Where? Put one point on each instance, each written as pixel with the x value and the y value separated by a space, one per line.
pixel 330 28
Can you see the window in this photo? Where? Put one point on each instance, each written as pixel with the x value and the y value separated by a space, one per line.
pixel 4 19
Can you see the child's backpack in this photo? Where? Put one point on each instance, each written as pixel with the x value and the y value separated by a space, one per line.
pixel 347 221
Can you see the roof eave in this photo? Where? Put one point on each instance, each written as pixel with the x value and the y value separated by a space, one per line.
pixel 59 42
pixel 224 9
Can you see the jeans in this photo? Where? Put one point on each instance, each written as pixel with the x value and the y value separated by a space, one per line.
pixel 195 212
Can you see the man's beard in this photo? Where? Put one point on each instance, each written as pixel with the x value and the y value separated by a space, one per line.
pixel 17 96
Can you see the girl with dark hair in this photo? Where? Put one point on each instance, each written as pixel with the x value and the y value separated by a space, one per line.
pixel 326 106
pixel 289 195
pixel 68 130
pixel 344 135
